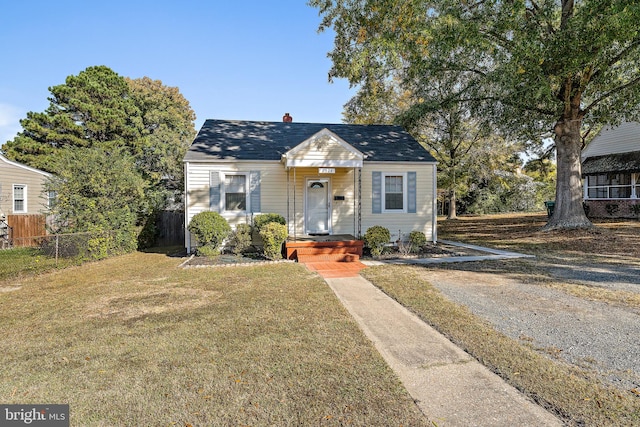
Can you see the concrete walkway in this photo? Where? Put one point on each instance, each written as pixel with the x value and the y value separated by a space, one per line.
pixel 450 387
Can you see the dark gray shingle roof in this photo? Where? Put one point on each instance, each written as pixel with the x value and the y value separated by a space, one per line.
pixel 246 140
pixel 612 163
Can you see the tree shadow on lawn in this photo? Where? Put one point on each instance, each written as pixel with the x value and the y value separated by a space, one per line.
pixel 586 272
pixel 170 251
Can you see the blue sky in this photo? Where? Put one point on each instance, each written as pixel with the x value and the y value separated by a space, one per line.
pixel 247 60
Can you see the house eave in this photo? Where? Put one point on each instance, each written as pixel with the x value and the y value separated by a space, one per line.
pixel 613 163
pixel 327 163
pixel 29 168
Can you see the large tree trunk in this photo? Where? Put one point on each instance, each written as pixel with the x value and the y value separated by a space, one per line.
pixel 452 205
pixel 568 211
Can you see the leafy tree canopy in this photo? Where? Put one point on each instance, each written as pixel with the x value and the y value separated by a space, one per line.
pixel 100 109
pixel 529 67
pixel 167 120
pixel 91 109
pixel 115 146
pixel 99 192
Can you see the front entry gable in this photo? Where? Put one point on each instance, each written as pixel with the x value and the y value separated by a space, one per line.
pixel 323 149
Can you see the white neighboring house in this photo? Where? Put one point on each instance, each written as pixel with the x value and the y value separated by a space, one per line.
pixel 611 172
pixel 22 189
pixel 324 179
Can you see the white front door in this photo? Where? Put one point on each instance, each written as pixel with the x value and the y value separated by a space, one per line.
pixel 318 206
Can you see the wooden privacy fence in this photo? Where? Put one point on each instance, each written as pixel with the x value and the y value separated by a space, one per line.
pixel 26 228
pixel 171 228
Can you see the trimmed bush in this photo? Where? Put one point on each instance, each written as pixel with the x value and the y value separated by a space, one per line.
pixel 273 236
pixel 376 238
pixel 417 240
pixel 210 229
pixel 263 219
pixel 207 251
pixel 240 239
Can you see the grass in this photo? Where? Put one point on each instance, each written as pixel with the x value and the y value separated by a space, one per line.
pixel 610 240
pixel 612 243
pixel 577 396
pixel 133 340
pixel 19 262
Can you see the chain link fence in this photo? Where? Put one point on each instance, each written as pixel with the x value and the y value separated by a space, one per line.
pixel 69 245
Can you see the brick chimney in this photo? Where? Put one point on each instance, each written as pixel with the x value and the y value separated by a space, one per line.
pixel 287 118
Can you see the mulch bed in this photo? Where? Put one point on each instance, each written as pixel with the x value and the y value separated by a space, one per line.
pixel 428 251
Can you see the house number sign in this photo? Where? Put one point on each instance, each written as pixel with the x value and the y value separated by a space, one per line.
pixel 326 170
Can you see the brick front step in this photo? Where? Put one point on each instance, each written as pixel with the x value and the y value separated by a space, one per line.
pixel 326 250
pixel 328 257
pixel 329 247
pixel 336 269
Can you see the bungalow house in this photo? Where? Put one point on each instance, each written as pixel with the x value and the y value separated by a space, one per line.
pixel 324 179
pixel 611 172
pixel 22 200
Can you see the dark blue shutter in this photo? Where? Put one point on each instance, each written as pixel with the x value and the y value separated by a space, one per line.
pixel 254 189
pixel 412 192
pixel 376 192
pixel 214 192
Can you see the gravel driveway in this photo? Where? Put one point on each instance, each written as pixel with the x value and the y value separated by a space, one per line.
pixel 590 334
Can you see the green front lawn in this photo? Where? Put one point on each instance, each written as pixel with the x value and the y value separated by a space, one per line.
pixel 133 340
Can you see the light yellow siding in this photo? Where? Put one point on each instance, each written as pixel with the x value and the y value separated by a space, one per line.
pixel 401 222
pixel 272 188
pixel 11 175
pixel 323 150
pixel 283 192
pixel 342 211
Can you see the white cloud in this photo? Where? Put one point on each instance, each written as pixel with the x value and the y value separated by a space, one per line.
pixel 9 122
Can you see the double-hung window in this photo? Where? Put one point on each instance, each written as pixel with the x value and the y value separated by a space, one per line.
pixel 51 199
pixel 235 192
pixel 395 192
pixel 19 198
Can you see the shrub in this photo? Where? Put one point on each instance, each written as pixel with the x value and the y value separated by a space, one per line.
pixel 273 236
pixel 263 219
pixel 149 231
pixel 612 208
pixel 207 251
pixel 376 238
pixel 210 229
pixel 417 240
pixel 241 239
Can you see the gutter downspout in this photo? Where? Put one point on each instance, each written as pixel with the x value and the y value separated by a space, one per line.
pixel 187 236
pixel 355 202
pixel 288 201
pixel 434 208
pixel 295 213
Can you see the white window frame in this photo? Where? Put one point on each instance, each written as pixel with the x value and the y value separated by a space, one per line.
pixel 405 192
pixel 24 199
pixel 635 182
pixel 223 193
pixel 52 196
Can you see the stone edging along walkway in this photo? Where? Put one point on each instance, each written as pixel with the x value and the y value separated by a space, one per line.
pixel 185 264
